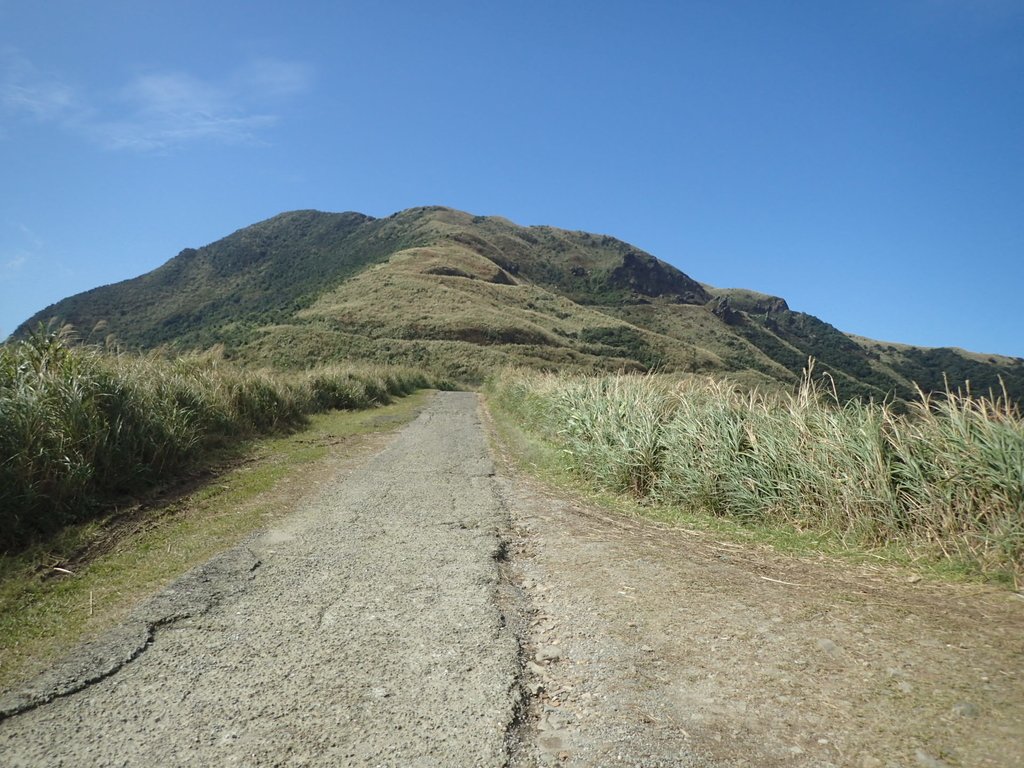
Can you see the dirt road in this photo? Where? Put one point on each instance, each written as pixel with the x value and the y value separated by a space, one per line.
pixel 425 611
pixel 679 649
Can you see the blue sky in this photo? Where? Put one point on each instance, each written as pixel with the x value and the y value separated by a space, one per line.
pixel 864 160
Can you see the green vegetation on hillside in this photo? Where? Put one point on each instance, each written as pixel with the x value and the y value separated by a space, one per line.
pixel 450 291
pixel 220 293
pixel 946 479
pixel 79 427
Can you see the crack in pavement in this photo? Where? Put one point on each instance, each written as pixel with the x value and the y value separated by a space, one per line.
pixel 373 633
pixel 193 594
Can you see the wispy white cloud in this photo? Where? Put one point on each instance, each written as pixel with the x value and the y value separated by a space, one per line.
pixel 26 90
pixel 19 246
pixel 15 262
pixel 167 109
pixel 183 129
pixel 267 78
pixel 31 237
pixel 160 110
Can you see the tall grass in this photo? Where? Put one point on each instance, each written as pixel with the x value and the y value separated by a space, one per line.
pixel 78 426
pixel 946 477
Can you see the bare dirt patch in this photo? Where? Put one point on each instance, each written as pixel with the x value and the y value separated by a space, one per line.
pixel 670 647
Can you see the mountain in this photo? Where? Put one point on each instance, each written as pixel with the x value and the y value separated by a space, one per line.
pixel 439 287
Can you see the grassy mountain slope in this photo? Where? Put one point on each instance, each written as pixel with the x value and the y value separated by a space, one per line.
pixel 219 292
pixel 438 287
pixel 863 367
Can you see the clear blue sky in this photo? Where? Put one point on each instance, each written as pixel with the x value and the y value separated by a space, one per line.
pixel 865 160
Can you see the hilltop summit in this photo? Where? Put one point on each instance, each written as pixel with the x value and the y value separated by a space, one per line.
pixel 464 293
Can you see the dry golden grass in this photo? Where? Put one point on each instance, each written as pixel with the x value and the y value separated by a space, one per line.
pixel 945 480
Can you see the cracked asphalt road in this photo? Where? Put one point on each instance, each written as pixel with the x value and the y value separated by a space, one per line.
pixel 384 625
pixel 363 631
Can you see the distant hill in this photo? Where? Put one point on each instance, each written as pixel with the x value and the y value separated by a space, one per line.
pixel 439 287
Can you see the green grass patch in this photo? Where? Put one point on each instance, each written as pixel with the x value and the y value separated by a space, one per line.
pixel 44 611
